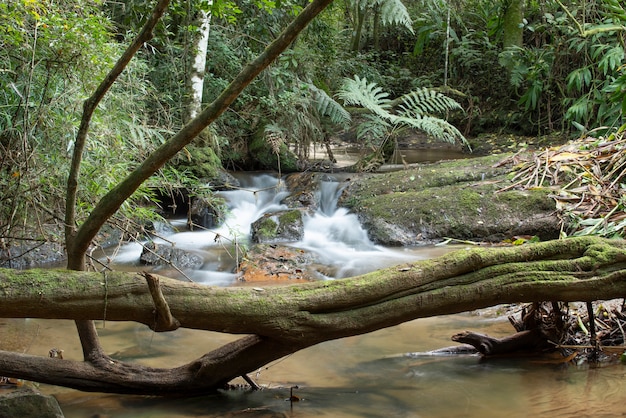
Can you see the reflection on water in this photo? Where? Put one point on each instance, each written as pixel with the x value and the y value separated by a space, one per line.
pixel 363 376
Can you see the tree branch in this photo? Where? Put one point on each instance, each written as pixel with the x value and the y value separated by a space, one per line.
pixel 286 319
pixel 164 320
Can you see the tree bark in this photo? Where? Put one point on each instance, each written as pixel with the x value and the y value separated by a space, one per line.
pixel 199 63
pixel 512 29
pixel 282 320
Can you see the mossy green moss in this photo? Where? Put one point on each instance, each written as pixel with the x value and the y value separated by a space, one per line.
pixel 267 228
pixel 42 282
pixel 424 177
pixel 201 162
pixel 457 199
pixel 289 217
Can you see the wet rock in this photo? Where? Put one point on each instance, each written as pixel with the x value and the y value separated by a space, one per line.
pixel 305 190
pixel 29 403
pixel 164 254
pixel 204 214
pixel 30 254
pixel 282 226
pixel 271 263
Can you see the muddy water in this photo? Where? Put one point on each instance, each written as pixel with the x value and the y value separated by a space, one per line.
pixel 374 375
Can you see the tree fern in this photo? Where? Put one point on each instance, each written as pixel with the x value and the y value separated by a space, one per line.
pixel 417 109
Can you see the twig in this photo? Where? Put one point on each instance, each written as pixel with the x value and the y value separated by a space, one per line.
pixel 251 382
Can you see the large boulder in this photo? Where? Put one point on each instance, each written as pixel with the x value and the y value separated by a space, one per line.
pixel 462 199
pixel 28 403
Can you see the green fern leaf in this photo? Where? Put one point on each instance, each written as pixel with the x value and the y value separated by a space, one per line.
pixel 372 129
pixel 434 127
pixel 358 92
pixel 426 102
pixel 327 106
pixel 416 110
pixel 394 12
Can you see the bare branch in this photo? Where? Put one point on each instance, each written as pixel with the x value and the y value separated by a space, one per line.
pixel 164 319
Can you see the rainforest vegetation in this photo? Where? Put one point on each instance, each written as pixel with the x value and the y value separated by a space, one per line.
pixel 109 107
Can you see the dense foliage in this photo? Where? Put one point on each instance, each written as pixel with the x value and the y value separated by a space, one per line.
pixel 568 76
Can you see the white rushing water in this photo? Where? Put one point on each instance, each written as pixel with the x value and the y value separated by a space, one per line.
pixel 333 234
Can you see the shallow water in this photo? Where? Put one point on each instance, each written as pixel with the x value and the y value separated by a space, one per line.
pixel 373 375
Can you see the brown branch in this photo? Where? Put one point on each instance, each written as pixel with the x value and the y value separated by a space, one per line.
pixel 164 321
pixel 530 340
pixel 204 375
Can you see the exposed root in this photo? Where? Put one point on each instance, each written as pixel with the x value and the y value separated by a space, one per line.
pixel 582 333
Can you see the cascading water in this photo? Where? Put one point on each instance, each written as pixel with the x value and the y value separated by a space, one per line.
pixel 333 234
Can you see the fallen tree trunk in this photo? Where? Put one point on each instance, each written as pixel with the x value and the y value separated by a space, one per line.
pixel 282 320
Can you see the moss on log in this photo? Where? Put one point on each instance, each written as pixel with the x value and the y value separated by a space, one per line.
pixel 286 319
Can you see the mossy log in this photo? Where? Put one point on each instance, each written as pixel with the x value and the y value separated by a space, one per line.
pixel 281 320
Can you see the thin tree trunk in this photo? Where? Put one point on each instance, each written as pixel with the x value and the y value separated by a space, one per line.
pixel 358 30
pixel 75 248
pixel 512 29
pixel 199 64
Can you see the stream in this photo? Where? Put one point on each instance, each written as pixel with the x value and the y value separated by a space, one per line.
pixel 387 373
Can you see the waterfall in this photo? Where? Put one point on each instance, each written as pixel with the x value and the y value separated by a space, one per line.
pixel 333 234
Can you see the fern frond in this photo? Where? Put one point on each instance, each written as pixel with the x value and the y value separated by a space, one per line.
pixel 358 92
pixel 415 109
pixel 426 102
pixel 274 136
pixel 327 106
pixel 394 12
pixel 434 127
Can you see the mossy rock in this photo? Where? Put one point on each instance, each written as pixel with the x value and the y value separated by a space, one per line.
pixel 201 162
pixel 29 403
pixel 266 159
pixel 460 200
pixel 282 226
